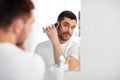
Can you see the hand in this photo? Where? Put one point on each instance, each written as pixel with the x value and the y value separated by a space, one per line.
pixel 51 33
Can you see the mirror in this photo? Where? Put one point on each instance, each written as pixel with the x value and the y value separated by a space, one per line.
pixel 46 13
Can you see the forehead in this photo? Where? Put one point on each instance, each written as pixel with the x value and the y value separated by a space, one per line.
pixel 69 21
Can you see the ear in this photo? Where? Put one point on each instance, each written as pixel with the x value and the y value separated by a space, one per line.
pixel 17 26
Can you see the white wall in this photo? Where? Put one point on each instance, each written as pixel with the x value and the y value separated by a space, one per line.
pixel 100 40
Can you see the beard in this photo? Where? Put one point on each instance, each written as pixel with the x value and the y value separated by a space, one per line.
pixel 21 37
pixel 64 36
pixel 20 41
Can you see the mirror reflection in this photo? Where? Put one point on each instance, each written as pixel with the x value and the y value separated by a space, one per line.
pixel 60 49
pixel 57 46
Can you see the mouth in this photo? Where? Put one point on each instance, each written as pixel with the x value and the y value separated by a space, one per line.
pixel 66 35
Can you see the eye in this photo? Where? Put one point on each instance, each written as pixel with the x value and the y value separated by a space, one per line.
pixel 73 27
pixel 65 25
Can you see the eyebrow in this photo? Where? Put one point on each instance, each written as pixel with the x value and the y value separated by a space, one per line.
pixel 69 24
pixel 66 22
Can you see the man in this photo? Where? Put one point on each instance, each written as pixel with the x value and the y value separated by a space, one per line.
pixel 60 44
pixel 16 18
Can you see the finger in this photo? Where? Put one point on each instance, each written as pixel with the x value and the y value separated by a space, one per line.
pixel 53 26
pixel 48 28
pixel 44 30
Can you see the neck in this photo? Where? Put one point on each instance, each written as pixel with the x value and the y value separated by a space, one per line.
pixel 6 37
pixel 62 41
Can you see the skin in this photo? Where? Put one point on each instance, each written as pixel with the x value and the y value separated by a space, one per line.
pixel 66 30
pixel 25 31
pixel 17 31
pixel 61 36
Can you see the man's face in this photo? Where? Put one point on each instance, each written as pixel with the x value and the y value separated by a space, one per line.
pixel 26 28
pixel 66 29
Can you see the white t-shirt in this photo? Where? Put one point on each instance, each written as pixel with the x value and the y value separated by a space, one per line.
pixel 16 64
pixel 45 49
pixel 70 49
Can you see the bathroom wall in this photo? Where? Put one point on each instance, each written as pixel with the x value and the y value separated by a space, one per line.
pixel 100 40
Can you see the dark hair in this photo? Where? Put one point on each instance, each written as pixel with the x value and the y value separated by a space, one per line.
pixel 67 14
pixel 12 9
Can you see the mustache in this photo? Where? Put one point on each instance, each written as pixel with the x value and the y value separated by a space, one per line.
pixel 66 33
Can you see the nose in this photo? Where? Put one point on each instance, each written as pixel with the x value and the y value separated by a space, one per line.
pixel 69 30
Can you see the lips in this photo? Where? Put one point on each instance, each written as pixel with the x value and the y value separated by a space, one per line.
pixel 66 34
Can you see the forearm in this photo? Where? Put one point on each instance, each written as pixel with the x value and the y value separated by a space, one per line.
pixel 53 36
pixel 56 50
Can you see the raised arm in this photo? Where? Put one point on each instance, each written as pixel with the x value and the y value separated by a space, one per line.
pixel 51 32
pixel 52 35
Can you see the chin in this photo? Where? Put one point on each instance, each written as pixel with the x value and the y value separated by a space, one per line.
pixel 66 39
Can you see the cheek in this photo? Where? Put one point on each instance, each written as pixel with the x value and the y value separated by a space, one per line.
pixel 27 29
pixel 72 31
pixel 62 29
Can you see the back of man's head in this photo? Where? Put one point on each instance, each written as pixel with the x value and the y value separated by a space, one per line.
pixel 12 9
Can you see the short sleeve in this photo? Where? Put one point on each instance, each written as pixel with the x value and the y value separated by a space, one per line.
pixel 74 51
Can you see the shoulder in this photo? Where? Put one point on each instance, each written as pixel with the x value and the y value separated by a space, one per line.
pixel 28 56
pixel 32 56
pixel 38 61
pixel 73 43
pixel 34 65
pixel 28 64
pixel 35 60
pixel 45 43
pixel 43 47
